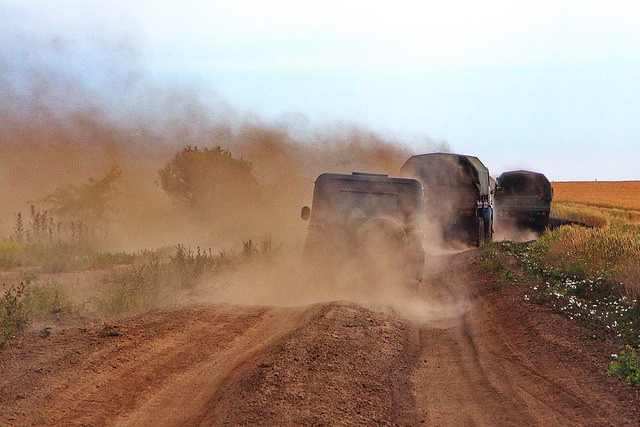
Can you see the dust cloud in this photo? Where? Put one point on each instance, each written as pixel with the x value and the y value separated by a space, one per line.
pixel 65 120
pixel 61 125
pixel 288 280
pixel 511 231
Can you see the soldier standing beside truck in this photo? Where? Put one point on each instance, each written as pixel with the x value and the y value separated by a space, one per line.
pixel 457 195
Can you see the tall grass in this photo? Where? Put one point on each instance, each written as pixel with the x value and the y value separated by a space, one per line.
pixel 624 195
pixel 609 252
pixel 153 279
pixel 156 282
pixel 55 256
pixel 593 215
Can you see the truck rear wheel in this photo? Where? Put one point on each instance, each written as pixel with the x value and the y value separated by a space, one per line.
pixel 488 231
pixel 481 232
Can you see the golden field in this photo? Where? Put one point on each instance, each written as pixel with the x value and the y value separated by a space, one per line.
pixel 597 203
pixel 612 247
pixel 608 194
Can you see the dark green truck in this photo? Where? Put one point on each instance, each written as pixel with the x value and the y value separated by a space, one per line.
pixel 370 218
pixel 457 193
pixel 523 198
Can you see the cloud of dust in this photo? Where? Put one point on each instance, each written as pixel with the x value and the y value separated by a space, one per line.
pixel 358 249
pixel 288 280
pixel 73 108
pixel 514 232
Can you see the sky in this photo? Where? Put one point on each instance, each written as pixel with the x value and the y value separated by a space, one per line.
pixel 550 86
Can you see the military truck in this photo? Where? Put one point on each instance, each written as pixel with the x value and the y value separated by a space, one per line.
pixel 523 198
pixel 457 195
pixel 371 218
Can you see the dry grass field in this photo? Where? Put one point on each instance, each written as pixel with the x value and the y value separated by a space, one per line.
pixel 612 247
pixel 597 203
pixel 609 194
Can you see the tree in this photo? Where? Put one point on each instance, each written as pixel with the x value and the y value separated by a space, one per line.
pixel 86 206
pixel 208 179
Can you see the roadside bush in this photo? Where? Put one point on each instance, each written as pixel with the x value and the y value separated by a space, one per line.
pixel 626 365
pixel 13 316
pixel 187 266
pixel 56 256
pixel 135 288
pixel 154 283
pixel 47 301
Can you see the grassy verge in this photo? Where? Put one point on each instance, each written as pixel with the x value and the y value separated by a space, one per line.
pixel 55 256
pixel 23 303
pixel 588 274
pixel 152 279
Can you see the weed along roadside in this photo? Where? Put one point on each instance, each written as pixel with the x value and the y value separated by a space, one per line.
pixel 124 283
pixel 588 275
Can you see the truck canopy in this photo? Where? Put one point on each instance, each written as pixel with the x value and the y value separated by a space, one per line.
pixel 524 183
pixel 365 195
pixel 448 170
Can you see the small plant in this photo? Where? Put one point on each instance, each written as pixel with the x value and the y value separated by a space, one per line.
pixel 134 288
pixel 626 365
pixel 13 316
pixel 47 301
pixel 249 248
pixel 493 259
pixel 18 229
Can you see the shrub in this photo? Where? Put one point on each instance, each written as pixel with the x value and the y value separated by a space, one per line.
pixel 85 207
pixel 13 316
pixel 626 365
pixel 47 301
pixel 153 283
pixel 135 288
pixel 208 179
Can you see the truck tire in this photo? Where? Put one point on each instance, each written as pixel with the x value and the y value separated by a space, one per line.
pixel 488 231
pixel 481 233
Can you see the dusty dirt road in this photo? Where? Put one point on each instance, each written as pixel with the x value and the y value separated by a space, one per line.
pixel 495 360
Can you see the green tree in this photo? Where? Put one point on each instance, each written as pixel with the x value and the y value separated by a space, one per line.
pixel 85 207
pixel 208 178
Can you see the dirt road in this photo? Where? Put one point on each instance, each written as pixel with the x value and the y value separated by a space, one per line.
pixel 496 360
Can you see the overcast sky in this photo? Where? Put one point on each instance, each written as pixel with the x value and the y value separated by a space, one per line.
pixel 552 86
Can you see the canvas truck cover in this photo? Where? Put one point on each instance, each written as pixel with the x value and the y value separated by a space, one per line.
pixel 525 183
pixel 439 169
pixel 365 195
